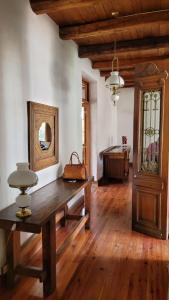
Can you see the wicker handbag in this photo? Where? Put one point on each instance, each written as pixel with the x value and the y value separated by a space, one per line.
pixel 74 171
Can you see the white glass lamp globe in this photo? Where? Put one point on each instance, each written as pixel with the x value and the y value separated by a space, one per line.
pixel 115 98
pixel 115 80
pixel 23 178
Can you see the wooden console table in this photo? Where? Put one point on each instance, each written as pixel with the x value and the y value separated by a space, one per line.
pixel 45 204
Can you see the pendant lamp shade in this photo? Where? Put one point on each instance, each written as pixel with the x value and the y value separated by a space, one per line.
pixel 115 80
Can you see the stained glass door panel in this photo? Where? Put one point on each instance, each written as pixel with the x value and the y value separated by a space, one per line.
pixel 151 107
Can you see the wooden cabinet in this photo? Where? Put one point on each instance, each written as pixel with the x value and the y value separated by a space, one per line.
pixel 116 162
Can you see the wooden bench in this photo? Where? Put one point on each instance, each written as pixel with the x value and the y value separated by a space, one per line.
pixel 46 203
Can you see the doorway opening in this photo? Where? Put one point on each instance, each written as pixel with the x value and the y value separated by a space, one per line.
pixel 86 127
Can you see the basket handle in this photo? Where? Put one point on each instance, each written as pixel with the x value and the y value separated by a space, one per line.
pixel 76 155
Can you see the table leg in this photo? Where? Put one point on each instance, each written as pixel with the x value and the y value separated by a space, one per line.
pixel 12 256
pixel 63 220
pixel 87 198
pixel 49 256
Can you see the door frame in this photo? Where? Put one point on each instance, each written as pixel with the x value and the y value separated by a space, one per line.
pixel 86 150
pixel 154 187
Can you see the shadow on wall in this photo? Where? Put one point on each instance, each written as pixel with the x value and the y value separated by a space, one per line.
pixel 61 79
pixel 61 72
pixel 14 86
pixel 66 88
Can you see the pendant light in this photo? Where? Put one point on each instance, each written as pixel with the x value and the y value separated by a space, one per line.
pixel 115 81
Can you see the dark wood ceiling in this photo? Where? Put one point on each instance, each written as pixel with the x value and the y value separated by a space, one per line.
pixel 141 30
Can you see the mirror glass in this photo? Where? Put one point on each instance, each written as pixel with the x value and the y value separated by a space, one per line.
pixel 151 131
pixel 45 136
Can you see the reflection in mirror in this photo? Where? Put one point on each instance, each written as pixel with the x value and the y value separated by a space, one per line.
pixel 151 131
pixel 45 136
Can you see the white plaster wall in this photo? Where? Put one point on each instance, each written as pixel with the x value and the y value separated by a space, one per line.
pixel 36 65
pixel 125 115
pixel 106 124
pixel 103 117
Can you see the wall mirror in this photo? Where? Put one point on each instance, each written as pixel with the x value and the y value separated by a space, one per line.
pixel 43 135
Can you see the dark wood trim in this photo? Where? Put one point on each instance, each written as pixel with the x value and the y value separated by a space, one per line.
pixel 101 181
pixel 128 73
pixel 48 256
pixel 3 280
pixel 121 68
pixel 54 6
pixel 85 86
pixel 113 26
pixel 87 203
pixel 124 63
pixel 73 217
pixel 128 83
pixel 30 271
pixel 12 253
pixel 94 51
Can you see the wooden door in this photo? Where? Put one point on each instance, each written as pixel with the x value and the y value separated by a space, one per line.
pixel 86 126
pixel 151 149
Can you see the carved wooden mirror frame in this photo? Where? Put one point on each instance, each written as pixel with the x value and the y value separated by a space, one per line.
pixel 38 114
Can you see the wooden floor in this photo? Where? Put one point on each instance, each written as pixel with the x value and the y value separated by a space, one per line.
pixel 111 261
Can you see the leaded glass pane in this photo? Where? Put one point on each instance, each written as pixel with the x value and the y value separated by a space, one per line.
pixel 151 131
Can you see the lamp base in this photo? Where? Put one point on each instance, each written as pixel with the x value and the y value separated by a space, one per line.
pixel 23 213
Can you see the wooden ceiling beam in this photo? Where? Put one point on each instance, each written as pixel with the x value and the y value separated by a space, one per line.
pixel 53 6
pixel 127 63
pixel 113 26
pixel 130 84
pixel 94 51
pixel 121 68
pixel 128 80
pixel 124 73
